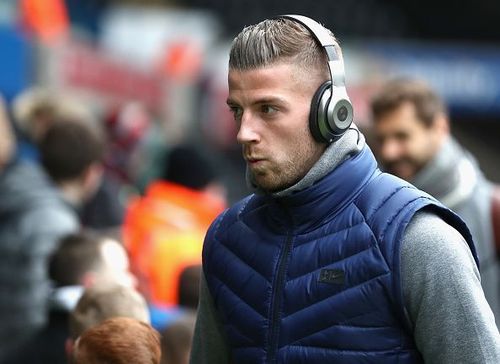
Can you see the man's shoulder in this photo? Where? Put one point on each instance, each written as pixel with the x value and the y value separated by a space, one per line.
pixel 56 216
pixel 386 191
pixel 234 212
pixel 28 195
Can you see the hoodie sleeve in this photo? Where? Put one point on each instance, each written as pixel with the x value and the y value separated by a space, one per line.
pixel 452 321
pixel 210 346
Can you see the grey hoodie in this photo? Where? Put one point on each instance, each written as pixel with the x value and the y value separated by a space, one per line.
pixel 453 177
pixel 33 217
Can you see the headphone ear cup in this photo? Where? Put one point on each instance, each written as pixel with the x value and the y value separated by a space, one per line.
pixel 340 112
pixel 330 116
pixel 318 118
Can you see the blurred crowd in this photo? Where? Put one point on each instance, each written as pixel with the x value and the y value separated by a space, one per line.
pixel 97 248
pixel 88 257
pixel 102 219
pixel 82 242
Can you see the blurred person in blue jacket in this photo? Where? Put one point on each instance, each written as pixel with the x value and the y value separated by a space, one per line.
pixel 34 215
pixel 412 131
pixel 330 260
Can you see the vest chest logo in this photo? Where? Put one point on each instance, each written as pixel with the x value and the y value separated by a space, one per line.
pixel 332 276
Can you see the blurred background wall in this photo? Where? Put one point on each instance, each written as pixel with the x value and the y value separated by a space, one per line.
pixel 171 56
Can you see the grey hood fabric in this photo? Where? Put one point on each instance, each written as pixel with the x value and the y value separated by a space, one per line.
pixel 454 178
pixel 451 175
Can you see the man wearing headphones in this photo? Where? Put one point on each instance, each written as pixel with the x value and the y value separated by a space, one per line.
pixel 330 260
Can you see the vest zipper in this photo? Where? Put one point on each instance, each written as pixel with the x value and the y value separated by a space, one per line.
pixel 277 297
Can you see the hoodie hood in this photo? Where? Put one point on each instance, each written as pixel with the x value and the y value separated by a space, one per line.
pixel 451 176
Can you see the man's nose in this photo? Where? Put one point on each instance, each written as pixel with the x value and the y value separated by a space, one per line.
pixel 247 132
pixel 390 150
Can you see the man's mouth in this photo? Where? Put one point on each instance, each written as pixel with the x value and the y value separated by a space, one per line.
pixel 254 161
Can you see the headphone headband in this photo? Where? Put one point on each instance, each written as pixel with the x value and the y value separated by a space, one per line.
pixel 315 28
pixel 335 64
pixel 331 110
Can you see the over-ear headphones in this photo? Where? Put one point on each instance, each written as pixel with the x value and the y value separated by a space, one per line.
pixel 331 110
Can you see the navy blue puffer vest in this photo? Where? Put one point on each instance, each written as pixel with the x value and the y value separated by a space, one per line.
pixel 315 277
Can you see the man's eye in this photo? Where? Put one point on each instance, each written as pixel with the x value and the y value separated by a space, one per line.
pixel 401 137
pixel 236 111
pixel 268 109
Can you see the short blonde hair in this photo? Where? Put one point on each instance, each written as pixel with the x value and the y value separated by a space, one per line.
pixel 101 302
pixel 37 103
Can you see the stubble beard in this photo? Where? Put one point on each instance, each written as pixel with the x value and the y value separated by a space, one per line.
pixel 278 176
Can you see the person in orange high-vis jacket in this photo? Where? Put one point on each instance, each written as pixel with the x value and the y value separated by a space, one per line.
pixel 164 229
